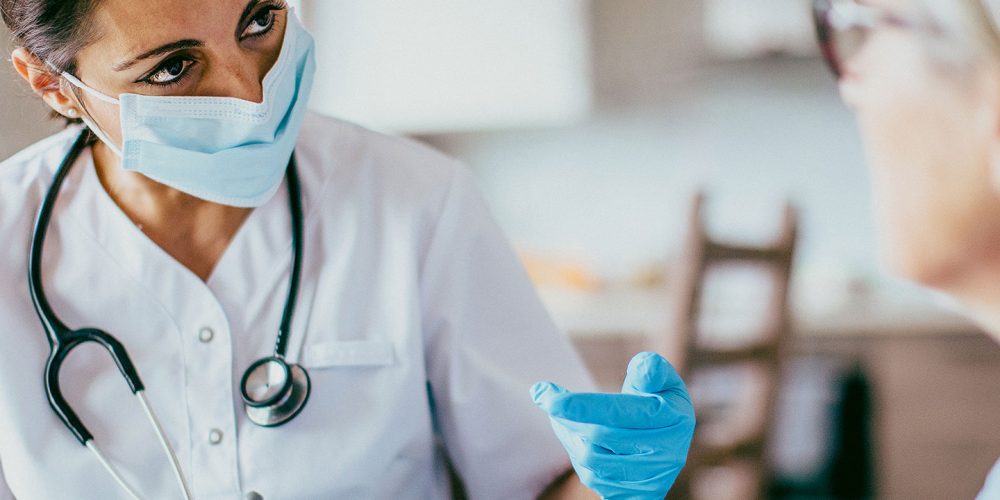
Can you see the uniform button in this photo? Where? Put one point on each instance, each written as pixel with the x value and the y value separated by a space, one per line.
pixel 253 495
pixel 215 436
pixel 206 335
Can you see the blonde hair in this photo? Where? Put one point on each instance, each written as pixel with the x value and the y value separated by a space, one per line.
pixel 986 20
pixel 975 22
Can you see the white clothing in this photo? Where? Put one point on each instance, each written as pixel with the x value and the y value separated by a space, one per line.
pixel 415 320
pixel 991 490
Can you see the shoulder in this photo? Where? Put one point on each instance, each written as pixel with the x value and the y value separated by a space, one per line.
pixel 34 165
pixel 359 162
pixel 24 177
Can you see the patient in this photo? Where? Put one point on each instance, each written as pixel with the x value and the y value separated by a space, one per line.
pixel 923 77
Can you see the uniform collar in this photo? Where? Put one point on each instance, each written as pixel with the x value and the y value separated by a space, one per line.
pixel 260 248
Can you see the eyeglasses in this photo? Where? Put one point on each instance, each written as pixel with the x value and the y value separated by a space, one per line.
pixel 844 26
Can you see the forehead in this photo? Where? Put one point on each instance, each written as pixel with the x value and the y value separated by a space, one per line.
pixel 133 26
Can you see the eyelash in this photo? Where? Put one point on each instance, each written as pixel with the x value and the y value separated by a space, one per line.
pixel 148 80
pixel 268 8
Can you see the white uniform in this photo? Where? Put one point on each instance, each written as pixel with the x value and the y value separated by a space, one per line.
pixel 418 326
pixel 991 491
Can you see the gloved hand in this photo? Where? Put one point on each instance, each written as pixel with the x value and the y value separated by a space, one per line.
pixel 629 445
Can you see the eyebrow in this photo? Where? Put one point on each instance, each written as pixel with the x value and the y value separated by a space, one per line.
pixel 184 44
pixel 163 49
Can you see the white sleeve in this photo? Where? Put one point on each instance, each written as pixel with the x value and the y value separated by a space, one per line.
pixel 487 340
pixel 991 490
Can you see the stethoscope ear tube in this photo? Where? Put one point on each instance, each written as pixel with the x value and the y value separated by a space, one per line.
pixel 267 404
pixel 56 400
pixel 295 207
pixel 60 351
pixel 54 327
pixel 62 340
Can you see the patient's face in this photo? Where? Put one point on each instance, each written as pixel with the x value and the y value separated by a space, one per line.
pixel 929 130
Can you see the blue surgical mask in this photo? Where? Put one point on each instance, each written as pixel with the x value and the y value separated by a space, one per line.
pixel 221 149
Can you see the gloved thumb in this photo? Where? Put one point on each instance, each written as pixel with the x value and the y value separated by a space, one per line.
pixel 650 373
pixel 544 395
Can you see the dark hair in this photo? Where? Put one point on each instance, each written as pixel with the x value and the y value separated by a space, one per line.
pixel 52 30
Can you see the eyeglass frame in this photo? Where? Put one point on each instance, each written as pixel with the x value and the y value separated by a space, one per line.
pixel 864 17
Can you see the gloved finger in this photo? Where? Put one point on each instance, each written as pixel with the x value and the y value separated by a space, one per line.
pixel 611 465
pixel 650 373
pixel 617 441
pixel 545 393
pixel 669 441
pixel 579 439
pixel 624 411
pixel 571 440
pixel 655 486
pixel 625 490
pixel 616 467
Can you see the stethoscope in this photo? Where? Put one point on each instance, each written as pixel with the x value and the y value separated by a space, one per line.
pixel 274 391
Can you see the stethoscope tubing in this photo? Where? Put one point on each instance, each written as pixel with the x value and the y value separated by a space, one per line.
pixel 62 340
pixel 295 206
pixel 54 327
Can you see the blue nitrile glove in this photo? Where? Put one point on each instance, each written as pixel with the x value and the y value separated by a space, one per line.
pixel 629 445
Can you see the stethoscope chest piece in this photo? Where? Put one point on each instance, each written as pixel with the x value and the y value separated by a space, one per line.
pixel 274 391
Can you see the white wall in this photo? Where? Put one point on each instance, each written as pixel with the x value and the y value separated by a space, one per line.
pixel 669 118
pixel 437 66
pixel 616 191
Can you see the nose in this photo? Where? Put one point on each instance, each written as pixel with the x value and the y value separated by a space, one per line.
pixel 236 76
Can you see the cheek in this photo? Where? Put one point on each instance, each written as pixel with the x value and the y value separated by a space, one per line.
pixel 108 118
pixel 933 193
pixel 932 213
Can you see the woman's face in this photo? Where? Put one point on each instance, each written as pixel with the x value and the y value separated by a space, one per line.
pixel 174 47
pixel 931 132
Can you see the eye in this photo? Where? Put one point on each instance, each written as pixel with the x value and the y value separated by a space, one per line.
pixel 261 23
pixel 171 71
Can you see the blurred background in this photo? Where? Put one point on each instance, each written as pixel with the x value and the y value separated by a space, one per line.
pixel 592 126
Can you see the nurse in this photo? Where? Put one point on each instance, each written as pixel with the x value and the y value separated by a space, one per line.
pixel 923 77
pixel 407 332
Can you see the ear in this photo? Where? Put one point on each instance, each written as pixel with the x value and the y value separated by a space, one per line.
pixel 45 82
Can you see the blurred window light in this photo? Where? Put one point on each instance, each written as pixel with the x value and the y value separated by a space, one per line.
pixel 739 29
pixel 436 66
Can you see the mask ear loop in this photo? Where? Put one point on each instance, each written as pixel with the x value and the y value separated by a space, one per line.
pixel 86 116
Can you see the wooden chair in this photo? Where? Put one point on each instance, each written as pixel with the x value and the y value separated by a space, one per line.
pixel 762 350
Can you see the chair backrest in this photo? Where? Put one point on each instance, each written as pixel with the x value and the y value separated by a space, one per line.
pixel 760 352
